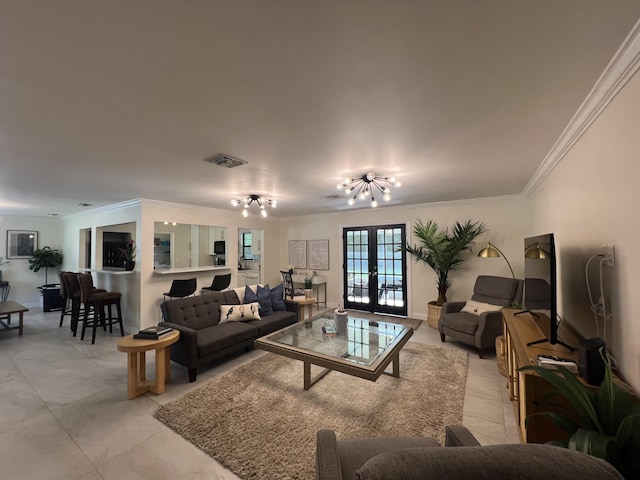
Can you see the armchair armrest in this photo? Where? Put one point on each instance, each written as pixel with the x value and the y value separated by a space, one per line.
pixel 452 307
pixel 327 459
pixel 459 436
pixel 489 327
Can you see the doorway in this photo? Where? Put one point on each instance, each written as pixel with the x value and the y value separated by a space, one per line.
pixel 374 269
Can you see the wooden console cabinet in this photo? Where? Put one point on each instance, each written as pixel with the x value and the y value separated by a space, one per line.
pixel 527 388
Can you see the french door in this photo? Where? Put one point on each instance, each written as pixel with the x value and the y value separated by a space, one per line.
pixel 374 269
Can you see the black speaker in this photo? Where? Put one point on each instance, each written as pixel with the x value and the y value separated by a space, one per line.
pixel 590 363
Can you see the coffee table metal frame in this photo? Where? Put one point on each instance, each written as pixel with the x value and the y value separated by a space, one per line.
pixel 372 371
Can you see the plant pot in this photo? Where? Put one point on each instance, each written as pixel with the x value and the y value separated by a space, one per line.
pixel 433 314
pixel 51 299
pixel 129 265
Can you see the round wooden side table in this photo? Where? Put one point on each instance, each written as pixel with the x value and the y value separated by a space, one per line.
pixel 136 367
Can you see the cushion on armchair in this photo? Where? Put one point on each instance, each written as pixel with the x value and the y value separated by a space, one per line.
pixel 478 308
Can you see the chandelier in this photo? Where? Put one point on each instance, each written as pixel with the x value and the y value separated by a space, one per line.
pixel 365 187
pixel 258 200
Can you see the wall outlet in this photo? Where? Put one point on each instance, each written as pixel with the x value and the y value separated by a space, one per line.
pixel 609 257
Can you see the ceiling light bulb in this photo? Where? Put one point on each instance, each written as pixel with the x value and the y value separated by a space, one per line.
pixel 274 204
pixel 398 183
pixel 245 213
pixel 387 197
pixel 340 186
pixel 362 195
pixel 263 213
pixel 351 201
pixel 371 176
pixel 347 180
pixel 392 180
pixel 235 203
pixel 374 203
pixel 348 191
pixel 386 190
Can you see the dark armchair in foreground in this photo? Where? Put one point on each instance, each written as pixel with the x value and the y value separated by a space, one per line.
pixel 479 321
pixel 420 458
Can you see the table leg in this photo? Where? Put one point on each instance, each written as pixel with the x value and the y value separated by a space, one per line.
pixel 142 366
pixel 167 364
pixel 132 375
pixel 310 311
pixel 20 319
pixel 161 364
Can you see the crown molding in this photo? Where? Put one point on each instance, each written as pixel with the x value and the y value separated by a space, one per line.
pixel 621 68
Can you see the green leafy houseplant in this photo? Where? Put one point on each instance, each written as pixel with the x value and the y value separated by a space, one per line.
pixel 443 250
pixel 609 419
pixel 45 258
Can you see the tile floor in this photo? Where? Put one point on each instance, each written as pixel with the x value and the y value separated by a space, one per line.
pixel 64 412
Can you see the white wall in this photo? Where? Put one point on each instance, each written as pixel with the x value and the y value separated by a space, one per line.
pixel 505 218
pixel 590 199
pixel 23 281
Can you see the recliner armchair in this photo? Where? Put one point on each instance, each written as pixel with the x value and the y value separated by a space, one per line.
pixel 419 458
pixel 480 329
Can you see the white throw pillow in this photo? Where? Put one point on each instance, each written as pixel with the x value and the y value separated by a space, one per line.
pixel 478 308
pixel 239 313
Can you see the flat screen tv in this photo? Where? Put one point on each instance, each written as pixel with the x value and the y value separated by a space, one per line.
pixel 540 286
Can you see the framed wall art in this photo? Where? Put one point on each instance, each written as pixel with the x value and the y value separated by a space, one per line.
pixel 21 243
pixel 298 253
pixel 318 254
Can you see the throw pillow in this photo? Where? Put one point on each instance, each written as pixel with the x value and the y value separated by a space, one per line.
pixel 239 313
pixel 262 296
pixel 277 298
pixel 478 308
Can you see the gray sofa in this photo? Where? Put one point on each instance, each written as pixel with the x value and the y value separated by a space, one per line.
pixel 420 458
pixel 203 338
pixel 480 329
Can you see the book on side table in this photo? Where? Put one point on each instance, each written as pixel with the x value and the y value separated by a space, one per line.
pixel 152 333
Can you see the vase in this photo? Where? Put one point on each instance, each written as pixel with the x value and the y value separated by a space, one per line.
pixel 129 265
pixel 341 322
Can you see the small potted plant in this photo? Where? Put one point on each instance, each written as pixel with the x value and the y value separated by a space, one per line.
pixel 129 255
pixel 607 424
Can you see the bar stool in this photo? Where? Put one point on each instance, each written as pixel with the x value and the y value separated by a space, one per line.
pixel 66 306
pixel 97 301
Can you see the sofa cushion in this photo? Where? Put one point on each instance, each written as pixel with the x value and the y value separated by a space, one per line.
pixel 495 290
pixel 494 462
pixel 239 313
pixel 461 322
pixel 196 312
pixel 277 298
pixel 262 295
pixel 478 308
pixel 273 322
pixel 223 335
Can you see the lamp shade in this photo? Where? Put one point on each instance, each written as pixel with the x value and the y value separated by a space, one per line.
pixel 536 252
pixel 491 251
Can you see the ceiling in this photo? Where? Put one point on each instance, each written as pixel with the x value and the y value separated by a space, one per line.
pixel 107 101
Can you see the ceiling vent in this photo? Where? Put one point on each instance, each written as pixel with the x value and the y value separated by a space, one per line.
pixel 225 160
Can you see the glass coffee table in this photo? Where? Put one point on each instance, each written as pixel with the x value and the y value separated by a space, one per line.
pixel 362 348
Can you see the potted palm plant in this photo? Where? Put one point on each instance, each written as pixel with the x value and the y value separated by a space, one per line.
pixel 443 251
pixel 608 420
pixel 47 258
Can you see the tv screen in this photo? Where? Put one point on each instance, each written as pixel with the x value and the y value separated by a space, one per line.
pixel 540 285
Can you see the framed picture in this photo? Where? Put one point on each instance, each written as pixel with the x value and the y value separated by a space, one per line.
pixel 318 254
pixel 21 243
pixel 298 253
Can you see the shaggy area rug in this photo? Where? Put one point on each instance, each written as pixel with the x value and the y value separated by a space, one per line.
pixel 259 422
